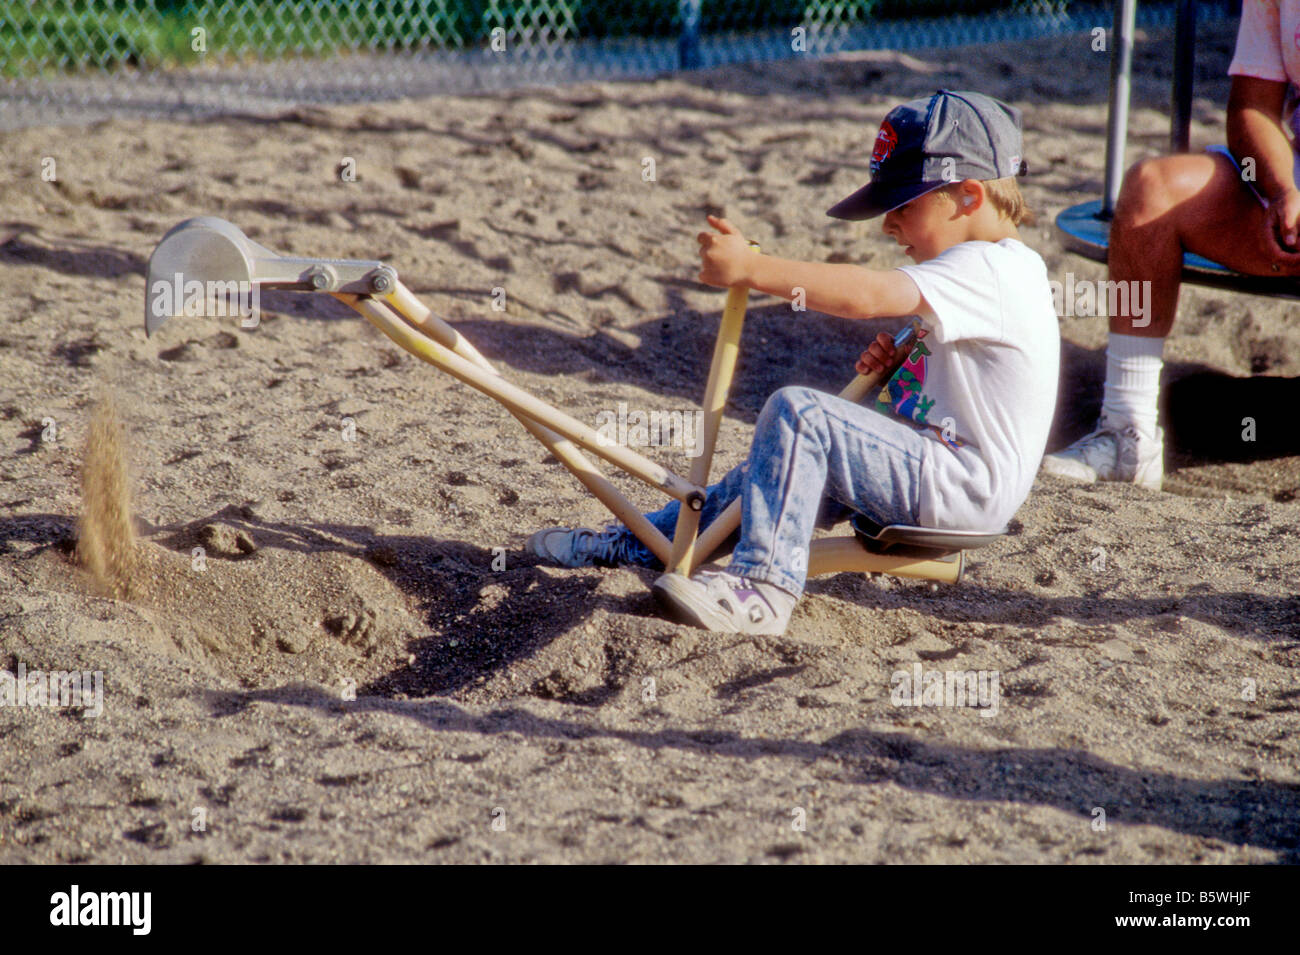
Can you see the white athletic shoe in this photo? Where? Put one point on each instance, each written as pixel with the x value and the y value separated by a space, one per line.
pixel 725 603
pixel 1112 454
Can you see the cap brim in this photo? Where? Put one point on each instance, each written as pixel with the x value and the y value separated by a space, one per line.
pixel 875 199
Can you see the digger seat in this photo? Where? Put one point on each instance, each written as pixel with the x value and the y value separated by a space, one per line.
pixel 903 540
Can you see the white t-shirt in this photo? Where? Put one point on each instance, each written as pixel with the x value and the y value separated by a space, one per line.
pixel 1268 46
pixel 983 378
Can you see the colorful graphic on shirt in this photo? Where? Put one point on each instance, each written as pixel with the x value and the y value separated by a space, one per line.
pixel 886 140
pixel 903 393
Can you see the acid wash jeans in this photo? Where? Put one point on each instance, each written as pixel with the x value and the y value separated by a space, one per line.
pixel 816 458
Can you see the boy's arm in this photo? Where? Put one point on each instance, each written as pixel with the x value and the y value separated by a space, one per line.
pixel 848 291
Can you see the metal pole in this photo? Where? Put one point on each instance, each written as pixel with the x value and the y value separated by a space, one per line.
pixel 1180 110
pixel 688 44
pixel 1121 71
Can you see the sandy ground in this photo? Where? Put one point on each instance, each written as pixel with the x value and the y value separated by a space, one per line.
pixel 506 715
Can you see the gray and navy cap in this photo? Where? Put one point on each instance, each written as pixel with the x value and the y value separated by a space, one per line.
pixel 928 143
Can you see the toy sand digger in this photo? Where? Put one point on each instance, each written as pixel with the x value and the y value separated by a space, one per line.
pixel 203 259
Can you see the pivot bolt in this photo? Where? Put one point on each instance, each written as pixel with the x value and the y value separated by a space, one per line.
pixel 321 278
pixel 383 279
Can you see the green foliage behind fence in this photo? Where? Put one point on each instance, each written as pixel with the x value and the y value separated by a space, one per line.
pixel 68 35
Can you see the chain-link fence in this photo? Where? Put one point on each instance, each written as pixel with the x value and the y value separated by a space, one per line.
pixel 71 59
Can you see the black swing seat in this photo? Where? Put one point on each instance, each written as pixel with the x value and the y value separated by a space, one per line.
pixel 903 540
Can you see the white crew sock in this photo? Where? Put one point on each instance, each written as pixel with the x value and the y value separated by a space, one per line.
pixel 1133 366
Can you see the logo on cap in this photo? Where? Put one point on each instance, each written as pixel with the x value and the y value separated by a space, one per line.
pixel 886 140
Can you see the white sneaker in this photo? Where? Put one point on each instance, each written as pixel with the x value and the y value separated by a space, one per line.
pixel 1112 454
pixel 725 603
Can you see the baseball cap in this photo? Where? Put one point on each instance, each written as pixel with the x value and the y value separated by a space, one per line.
pixel 928 143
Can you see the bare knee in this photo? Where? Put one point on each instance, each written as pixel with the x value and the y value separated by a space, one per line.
pixel 1155 187
pixel 1146 192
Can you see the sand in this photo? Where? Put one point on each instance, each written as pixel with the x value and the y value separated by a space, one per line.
pixel 322 663
pixel 106 539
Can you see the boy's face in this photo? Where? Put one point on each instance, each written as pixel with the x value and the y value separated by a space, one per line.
pixel 926 226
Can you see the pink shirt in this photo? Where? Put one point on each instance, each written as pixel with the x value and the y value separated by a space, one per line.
pixel 1268 47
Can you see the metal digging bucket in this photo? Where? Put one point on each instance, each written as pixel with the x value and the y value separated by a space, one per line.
pixel 205 263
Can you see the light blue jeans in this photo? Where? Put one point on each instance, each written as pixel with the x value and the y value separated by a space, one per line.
pixel 815 459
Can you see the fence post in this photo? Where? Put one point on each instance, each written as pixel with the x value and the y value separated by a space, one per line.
pixel 688 44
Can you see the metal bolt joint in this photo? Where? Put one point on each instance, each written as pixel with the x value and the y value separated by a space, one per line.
pixel 383 279
pixel 322 278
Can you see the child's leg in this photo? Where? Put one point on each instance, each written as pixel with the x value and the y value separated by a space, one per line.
pixel 814 458
pixel 717 497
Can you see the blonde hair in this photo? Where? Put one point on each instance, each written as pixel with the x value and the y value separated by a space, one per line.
pixel 1006 197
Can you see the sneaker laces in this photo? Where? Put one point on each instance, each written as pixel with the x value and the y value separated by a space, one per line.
pixel 735 582
pixel 1096 437
pixel 1122 455
pixel 607 547
pixel 1091 445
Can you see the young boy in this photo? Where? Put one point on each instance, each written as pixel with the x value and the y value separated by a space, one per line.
pixel 965 419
